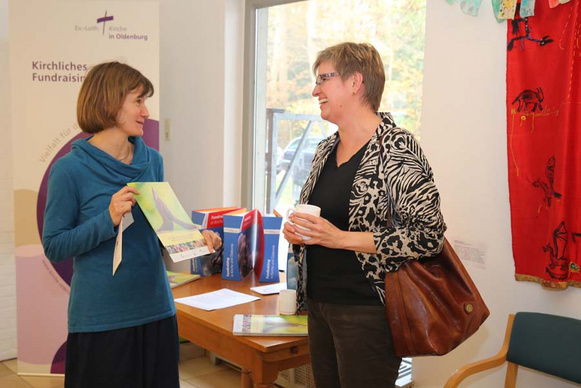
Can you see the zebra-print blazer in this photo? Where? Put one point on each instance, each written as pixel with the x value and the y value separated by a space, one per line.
pixel 393 195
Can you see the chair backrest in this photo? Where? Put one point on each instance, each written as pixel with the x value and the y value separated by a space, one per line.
pixel 547 343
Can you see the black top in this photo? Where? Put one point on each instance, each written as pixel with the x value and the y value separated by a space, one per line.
pixel 335 275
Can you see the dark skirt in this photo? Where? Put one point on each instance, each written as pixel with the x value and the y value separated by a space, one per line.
pixel 143 356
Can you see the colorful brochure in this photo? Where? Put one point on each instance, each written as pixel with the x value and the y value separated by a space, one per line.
pixel 178 278
pixel 270 325
pixel 170 221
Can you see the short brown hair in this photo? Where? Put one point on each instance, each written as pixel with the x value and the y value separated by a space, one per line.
pixel 103 92
pixel 349 58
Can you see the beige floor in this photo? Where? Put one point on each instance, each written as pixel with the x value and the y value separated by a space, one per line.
pixel 196 371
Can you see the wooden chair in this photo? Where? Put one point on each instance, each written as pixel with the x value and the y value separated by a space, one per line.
pixel 547 343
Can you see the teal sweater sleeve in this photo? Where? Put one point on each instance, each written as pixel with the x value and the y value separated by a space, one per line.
pixel 63 237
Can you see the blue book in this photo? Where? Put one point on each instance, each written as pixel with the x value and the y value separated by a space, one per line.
pixel 211 219
pixel 267 268
pixel 243 244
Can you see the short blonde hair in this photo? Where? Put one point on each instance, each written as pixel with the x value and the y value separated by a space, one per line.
pixel 103 92
pixel 349 58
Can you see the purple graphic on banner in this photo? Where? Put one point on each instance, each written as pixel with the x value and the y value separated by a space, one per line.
pixel 58 362
pixel 104 20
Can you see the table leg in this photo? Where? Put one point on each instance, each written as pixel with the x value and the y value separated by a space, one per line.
pixel 263 385
pixel 246 379
pixel 264 374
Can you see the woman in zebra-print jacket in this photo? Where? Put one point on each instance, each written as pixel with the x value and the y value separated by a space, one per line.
pixel 379 208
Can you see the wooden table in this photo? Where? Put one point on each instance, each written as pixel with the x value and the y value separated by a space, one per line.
pixel 261 358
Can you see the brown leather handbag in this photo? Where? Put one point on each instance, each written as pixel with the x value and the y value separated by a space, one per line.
pixel 432 305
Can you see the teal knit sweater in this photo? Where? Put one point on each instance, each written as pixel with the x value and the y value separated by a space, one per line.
pixel 77 226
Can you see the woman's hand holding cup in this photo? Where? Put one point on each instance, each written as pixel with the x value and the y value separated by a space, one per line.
pixel 307 209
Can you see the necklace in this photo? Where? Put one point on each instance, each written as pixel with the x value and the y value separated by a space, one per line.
pixel 103 148
pixel 126 156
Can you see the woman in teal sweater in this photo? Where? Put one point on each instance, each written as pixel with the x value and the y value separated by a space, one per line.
pixel 122 327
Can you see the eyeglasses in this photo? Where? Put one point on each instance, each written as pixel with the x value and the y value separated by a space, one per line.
pixel 321 78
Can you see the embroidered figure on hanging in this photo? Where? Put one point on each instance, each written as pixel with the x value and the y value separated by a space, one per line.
pixel 507 9
pixel 548 188
pixel 558 268
pixel 529 100
pixel 524 35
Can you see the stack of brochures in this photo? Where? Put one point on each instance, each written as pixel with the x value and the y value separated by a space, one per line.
pixel 177 278
pixel 270 325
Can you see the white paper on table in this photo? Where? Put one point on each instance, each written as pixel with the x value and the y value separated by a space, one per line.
pixel 270 288
pixel 126 220
pixel 217 299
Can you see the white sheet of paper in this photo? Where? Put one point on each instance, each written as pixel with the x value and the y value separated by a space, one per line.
pixel 126 220
pixel 217 299
pixel 269 288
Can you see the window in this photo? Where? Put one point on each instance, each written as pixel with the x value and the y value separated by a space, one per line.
pixel 282 122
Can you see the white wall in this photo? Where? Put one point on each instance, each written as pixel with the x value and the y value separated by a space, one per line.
pixel 464 137
pixel 233 89
pixel 198 101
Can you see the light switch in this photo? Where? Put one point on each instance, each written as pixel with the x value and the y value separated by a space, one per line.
pixel 167 129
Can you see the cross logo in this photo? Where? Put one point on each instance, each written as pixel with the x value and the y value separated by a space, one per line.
pixel 104 20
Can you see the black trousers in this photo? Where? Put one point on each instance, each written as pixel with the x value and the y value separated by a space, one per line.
pixel 351 346
pixel 143 356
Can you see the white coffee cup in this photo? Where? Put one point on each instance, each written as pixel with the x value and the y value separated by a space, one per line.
pixel 304 208
pixel 287 302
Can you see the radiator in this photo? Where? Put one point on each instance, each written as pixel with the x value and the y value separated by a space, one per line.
pixel 302 376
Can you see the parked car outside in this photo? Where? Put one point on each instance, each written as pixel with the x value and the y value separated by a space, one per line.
pixel 279 152
pixel 305 158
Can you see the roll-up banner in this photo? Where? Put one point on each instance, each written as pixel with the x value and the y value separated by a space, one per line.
pixel 52 45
